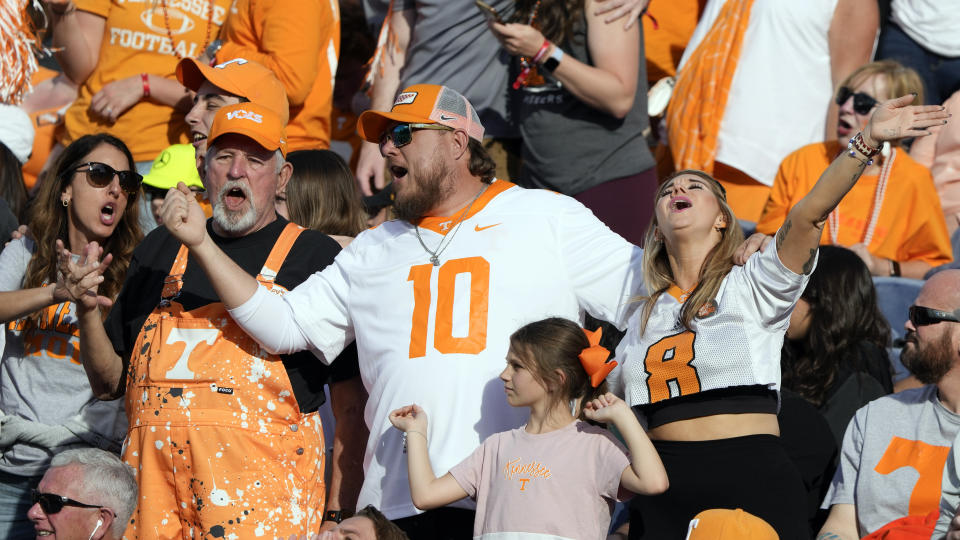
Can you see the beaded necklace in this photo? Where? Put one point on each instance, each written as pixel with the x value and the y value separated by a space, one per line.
pixel 166 24
pixel 878 194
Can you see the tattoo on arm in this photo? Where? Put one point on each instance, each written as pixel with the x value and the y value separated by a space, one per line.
pixel 828 536
pixel 782 233
pixel 808 266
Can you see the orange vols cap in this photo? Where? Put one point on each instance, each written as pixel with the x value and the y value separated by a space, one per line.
pixel 251 120
pixel 594 358
pixel 423 104
pixel 241 77
pixel 726 524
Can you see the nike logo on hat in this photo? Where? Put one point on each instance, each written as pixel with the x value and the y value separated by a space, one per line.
pixel 447 118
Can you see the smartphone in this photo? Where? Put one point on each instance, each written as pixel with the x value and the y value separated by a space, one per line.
pixel 488 11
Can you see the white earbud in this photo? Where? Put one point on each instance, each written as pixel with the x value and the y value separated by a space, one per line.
pixel 94 531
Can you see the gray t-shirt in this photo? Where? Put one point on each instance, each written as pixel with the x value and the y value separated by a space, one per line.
pixel 569 146
pixel 42 379
pixel 892 458
pixel 450 44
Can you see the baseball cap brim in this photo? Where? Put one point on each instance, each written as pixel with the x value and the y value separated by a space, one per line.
pixel 372 124
pixel 257 137
pixel 192 74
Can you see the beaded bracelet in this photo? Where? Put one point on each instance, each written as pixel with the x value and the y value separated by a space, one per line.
pixel 857 144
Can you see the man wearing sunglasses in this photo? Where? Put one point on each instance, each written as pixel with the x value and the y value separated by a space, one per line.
pixel 433 297
pixel 219 428
pixel 894 450
pixel 85 494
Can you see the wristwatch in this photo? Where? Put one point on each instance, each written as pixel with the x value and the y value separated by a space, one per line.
pixel 337 516
pixel 553 60
pixel 212 49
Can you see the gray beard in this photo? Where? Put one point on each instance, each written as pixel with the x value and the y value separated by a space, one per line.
pixel 231 221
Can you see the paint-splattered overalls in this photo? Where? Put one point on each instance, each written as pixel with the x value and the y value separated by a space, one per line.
pixel 218 442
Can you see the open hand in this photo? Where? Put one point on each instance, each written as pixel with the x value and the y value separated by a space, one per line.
pixel 410 418
pixel 116 97
pixel 521 39
pixel 77 282
pixel 183 216
pixel 605 408
pixel 756 242
pixel 896 119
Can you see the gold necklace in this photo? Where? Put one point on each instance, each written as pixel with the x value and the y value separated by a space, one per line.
pixel 166 23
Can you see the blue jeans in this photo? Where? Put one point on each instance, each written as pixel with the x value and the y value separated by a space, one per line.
pixel 940 74
pixel 14 504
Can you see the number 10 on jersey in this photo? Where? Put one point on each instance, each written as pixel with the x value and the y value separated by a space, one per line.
pixel 478 270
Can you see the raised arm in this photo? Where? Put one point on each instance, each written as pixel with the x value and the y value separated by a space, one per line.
pixel 386 83
pixel 799 236
pixel 646 474
pixel 426 490
pixel 611 84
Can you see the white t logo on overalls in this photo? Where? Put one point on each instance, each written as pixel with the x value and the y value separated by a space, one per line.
pixel 192 337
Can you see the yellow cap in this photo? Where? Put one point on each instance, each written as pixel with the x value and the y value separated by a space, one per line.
pixel 177 163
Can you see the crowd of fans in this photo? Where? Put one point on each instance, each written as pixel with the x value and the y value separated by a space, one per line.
pixel 252 246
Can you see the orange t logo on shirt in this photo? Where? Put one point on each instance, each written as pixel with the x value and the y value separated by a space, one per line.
pixel 926 459
pixel 525 472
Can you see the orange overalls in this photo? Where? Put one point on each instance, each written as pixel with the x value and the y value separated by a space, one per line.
pixel 217 439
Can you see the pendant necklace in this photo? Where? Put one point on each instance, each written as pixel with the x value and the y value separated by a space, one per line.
pixel 435 254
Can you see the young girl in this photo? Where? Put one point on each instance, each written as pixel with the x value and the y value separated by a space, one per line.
pixel 557 475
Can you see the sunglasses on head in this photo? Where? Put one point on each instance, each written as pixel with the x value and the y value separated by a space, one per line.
pixel 922 316
pixel 863 103
pixel 402 134
pixel 51 503
pixel 101 174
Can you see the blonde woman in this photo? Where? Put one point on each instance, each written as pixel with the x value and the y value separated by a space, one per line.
pixel 701 358
pixel 892 218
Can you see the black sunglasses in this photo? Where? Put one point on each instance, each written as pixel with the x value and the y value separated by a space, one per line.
pixel 100 175
pixel 402 134
pixel 51 503
pixel 922 316
pixel 863 103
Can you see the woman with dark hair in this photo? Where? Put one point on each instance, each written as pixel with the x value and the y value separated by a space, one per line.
pixel 835 353
pixel 699 361
pixel 47 406
pixel 580 102
pixel 322 195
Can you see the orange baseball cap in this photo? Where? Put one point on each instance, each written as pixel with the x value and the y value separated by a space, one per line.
pixel 424 104
pixel 241 77
pixel 726 524
pixel 252 120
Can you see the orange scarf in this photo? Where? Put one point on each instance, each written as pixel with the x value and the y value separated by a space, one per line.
pixel 700 96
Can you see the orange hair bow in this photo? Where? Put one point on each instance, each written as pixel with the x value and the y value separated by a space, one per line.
pixel 594 358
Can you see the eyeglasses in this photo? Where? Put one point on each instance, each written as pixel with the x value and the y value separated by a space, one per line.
pixel 402 134
pixel 51 503
pixel 100 175
pixel 922 316
pixel 863 103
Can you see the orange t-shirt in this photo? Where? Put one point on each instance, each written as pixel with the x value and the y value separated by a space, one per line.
pixel 300 41
pixel 910 226
pixel 664 42
pixel 135 40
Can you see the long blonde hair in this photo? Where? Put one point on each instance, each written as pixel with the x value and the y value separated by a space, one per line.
pixel 658 276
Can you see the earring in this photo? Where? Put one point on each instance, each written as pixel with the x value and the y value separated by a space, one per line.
pixel 65 202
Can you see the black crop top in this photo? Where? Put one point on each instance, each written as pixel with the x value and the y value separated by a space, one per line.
pixel 733 400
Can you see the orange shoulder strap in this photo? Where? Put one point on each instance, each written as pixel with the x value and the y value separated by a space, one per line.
pixel 279 252
pixel 700 97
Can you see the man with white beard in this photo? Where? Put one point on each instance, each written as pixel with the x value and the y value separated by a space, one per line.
pixel 224 436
